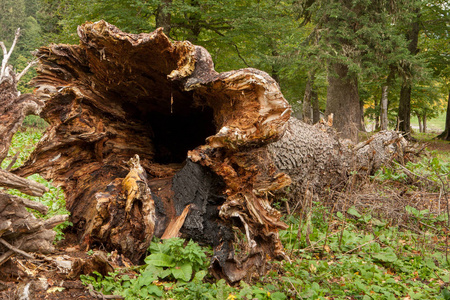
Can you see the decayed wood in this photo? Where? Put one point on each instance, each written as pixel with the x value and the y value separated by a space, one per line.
pixel 219 144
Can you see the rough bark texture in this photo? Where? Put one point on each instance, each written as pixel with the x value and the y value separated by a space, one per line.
pixel 316 160
pixel 202 148
pixel 404 109
pixel 384 107
pixel 404 106
pixel 343 102
pixel 446 134
pixel 307 100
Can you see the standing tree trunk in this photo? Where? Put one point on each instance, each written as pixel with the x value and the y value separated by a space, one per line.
pixel 404 107
pixel 315 106
pixel 204 150
pixel 445 135
pixel 307 99
pixel 384 103
pixel 424 120
pixel 384 107
pixel 362 126
pixel 163 16
pixel 419 120
pixel 343 101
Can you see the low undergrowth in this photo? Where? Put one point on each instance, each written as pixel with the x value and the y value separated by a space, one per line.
pixel 23 143
pixel 385 238
pixel 350 255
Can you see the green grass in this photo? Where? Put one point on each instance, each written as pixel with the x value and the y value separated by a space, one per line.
pixel 433 125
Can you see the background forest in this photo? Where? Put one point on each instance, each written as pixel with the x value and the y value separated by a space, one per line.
pixel 374 64
pixel 311 48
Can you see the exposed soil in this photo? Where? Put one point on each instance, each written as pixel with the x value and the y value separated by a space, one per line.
pixel 439 145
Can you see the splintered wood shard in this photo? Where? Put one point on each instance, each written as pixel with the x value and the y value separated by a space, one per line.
pixel 211 147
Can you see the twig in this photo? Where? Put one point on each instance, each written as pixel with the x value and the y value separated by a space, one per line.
pixel 409 173
pixel 312 246
pixel 13 161
pixel 4 258
pixel 32 63
pixel 298 294
pixel 17 250
pixel 360 246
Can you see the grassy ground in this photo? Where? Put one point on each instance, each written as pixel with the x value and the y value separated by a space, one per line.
pixel 436 125
pixel 386 237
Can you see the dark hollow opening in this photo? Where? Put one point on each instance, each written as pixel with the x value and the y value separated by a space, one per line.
pixel 176 134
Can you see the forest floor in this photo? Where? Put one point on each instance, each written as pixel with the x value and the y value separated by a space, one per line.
pixel 383 237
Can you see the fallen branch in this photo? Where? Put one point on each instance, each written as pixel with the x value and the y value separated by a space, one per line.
pixel 15 249
pixel 5 256
pixel 24 185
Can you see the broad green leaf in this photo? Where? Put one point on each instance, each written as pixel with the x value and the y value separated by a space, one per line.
pixel 183 272
pixel 160 260
pixel 385 256
pixel 278 296
pixel 154 290
pixel 147 278
pixel 352 211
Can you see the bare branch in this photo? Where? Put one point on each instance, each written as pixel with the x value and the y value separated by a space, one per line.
pixel 6 54
pixel 17 250
pixel 24 71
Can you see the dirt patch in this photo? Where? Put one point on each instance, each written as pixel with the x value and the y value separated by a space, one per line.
pixel 439 145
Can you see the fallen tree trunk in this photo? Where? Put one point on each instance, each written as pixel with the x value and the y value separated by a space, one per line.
pixel 204 150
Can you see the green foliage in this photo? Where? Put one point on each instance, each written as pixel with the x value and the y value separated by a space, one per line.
pixel 24 143
pixel 172 260
pixel 364 258
pixel 425 171
pixel 175 261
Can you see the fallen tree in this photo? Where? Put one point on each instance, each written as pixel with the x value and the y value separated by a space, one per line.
pixel 20 231
pixel 147 139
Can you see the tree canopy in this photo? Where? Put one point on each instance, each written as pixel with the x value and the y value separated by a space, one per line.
pixel 292 40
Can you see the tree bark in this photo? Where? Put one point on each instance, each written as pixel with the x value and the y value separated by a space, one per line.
pixel 445 135
pixel 343 101
pixel 404 107
pixel 204 148
pixel 383 107
pixel 424 121
pixel 163 16
pixel 419 120
pixel 307 99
